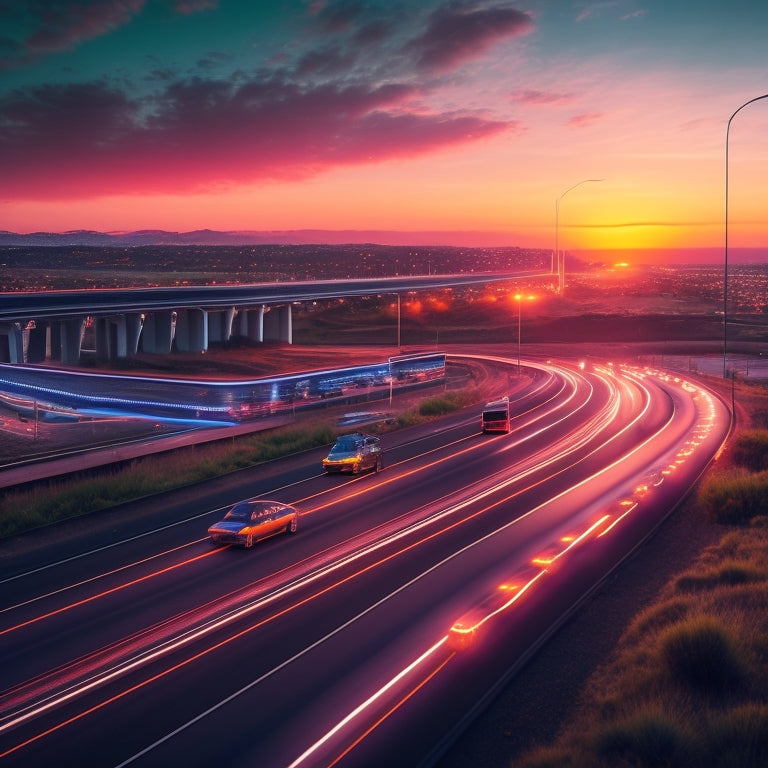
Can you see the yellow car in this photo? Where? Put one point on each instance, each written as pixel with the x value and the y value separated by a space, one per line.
pixel 252 520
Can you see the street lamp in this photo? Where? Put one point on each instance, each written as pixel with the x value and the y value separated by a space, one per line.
pixel 725 272
pixel 561 262
pixel 519 299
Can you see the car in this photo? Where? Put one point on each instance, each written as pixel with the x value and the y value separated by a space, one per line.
pixel 253 519
pixel 354 453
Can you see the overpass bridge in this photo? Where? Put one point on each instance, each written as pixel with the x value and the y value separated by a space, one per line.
pixel 49 325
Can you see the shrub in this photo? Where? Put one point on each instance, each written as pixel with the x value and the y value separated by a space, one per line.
pixel 750 450
pixel 442 404
pixel 648 738
pixel 729 573
pixel 738 738
pixel 734 498
pixel 700 653
pixel 89 492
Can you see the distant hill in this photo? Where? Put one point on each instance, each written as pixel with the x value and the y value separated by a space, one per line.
pixel 456 239
pixel 277 237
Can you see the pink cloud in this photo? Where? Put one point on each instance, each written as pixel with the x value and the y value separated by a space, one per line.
pixel 540 97
pixel 581 121
pixel 90 139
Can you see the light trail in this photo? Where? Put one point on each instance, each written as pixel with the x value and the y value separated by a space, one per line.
pixel 111 591
pixel 463 631
pixel 99 576
pixel 600 423
pixel 365 488
pixel 194 634
pixel 367 703
pixel 207 513
pixel 407 531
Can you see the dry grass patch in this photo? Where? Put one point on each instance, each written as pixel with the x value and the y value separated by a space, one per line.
pixel 688 683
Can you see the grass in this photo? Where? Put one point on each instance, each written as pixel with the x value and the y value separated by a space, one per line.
pixel 734 496
pixel 40 504
pixel 688 682
pixel 750 450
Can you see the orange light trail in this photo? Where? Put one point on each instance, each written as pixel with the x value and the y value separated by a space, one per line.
pixel 368 487
pixel 617 520
pixel 106 592
pixel 203 653
pixel 369 567
pixel 101 576
pixel 287 609
pixel 370 700
pixel 403 700
pixel 177 666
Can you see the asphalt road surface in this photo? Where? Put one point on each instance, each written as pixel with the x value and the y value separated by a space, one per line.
pixel 372 636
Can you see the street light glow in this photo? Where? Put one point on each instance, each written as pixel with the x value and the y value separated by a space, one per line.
pixel 519 298
pixel 556 254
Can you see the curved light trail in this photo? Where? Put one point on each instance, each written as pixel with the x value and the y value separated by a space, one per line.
pixel 582 467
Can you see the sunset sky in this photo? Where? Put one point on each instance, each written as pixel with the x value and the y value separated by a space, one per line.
pixel 466 119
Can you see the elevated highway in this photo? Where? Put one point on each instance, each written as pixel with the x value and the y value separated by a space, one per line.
pixel 50 325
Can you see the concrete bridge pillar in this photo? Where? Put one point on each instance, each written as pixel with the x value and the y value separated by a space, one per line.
pixel 11 343
pixel 191 330
pixel 39 342
pixel 250 324
pixel 117 336
pixel 102 331
pixel 278 325
pixel 157 332
pixel 220 325
pixel 133 324
pixel 67 340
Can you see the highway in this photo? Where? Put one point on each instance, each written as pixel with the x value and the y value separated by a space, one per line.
pixel 27 305
pixel 373 635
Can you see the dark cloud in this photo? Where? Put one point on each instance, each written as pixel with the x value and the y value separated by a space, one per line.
pixel 341 16
pixel 194 6
pixel 213 59
pixel 456 33
pixel 373 32
pixel 33 121
pixel 325 62
pixel 88 140
pixel 58 25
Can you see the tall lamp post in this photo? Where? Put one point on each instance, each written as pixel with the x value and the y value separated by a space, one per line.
pixel 725 268
pixel 519 299
pixel 561 262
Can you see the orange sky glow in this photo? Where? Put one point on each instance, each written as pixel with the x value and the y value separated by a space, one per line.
pixel 464 120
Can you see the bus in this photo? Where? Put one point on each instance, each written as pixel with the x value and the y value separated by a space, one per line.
pixel 495 416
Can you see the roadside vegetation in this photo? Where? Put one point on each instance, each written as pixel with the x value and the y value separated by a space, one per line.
pixel 43 503
pixel 688 682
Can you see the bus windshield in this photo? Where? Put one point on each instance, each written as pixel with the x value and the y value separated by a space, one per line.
pixel 496 417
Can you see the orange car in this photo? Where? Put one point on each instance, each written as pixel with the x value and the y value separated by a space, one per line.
pixel 252 520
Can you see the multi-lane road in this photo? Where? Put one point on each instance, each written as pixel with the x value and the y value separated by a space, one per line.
pixel 373 635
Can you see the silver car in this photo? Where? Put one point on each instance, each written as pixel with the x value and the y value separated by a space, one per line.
pixel 252 520
pixel 354 453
